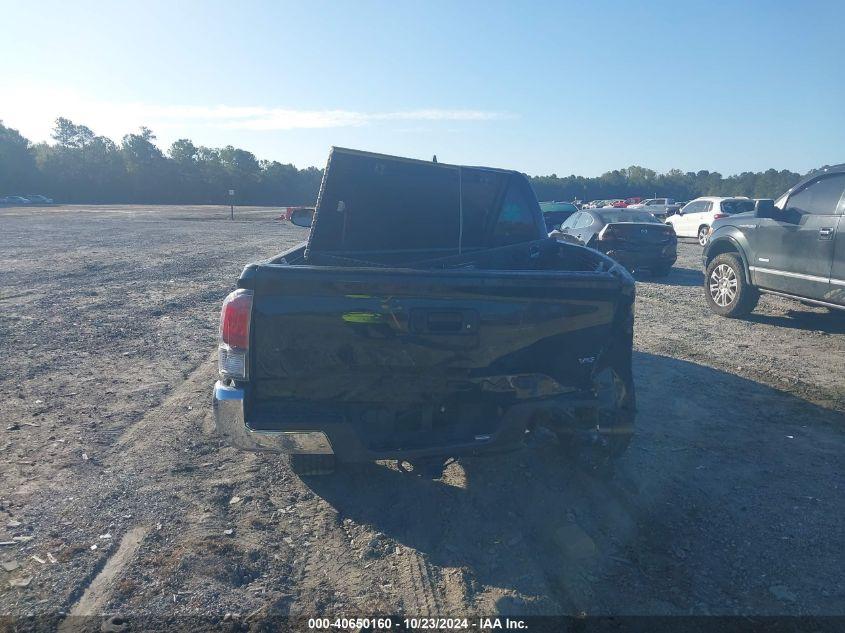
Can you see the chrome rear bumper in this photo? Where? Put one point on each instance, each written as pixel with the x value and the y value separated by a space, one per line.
pixel 228 404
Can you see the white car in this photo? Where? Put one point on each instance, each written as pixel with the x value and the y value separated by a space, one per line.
pixel 696 216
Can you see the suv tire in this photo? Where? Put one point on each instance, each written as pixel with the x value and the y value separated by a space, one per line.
pixel 703 233
pixel 727 292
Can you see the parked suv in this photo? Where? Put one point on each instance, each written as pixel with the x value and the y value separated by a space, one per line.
pixel 697 216
pixel 793 247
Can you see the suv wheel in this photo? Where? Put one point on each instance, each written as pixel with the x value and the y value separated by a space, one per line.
pixel 727 292
pixel 703 232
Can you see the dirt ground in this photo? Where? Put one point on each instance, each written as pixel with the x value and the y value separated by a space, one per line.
pixel 116 497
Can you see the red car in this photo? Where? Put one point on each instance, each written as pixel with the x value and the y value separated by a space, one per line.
pixel 287 211
pixel 619 204
pixel 634 200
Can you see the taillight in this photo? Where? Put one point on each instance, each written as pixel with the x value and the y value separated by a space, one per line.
pixel 719 216
pixel 234 334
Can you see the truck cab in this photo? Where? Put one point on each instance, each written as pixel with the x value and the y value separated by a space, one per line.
pixel 793 247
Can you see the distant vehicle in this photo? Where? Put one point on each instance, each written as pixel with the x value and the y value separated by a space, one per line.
pixel 36 198
pixel 673 210
pixel 287 212
pixel 14 200
pixel 555 213
pixel 793 247
pixel 634 200
pixel 697 216
pixel 660 208
pixel 618 204
pixel 636 239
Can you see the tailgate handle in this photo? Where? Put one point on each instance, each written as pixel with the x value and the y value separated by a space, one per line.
pixel 444 321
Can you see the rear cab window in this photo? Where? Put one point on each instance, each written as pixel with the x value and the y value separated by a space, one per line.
pixel 584 221
pixel 819 197
pixel 736 206
pixel 569 223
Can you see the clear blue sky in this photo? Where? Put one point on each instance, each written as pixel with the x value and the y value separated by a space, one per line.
pixel 542 87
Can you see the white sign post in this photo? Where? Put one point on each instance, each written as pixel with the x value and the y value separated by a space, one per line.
pixel 232 204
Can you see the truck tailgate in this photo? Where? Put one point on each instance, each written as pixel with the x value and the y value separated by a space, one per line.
pixel 356 335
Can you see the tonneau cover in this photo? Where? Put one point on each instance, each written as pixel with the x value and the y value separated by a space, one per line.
pixel 373 203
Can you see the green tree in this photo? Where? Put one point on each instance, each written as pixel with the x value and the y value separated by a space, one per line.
pixel 81 166
pixel 18 170
pixel 183 151
pixel 71 136
pixel 146 168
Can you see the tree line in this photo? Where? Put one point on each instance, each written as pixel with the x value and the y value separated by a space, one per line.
pixel 639 181
pixel 83 167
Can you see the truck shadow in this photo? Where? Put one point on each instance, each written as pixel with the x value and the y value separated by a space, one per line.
pixel 685 277
pixel 529 532
pixel 827 322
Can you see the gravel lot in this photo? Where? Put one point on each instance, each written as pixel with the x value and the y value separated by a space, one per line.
pixel 117 498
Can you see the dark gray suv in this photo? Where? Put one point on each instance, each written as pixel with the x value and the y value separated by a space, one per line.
pixel 793 247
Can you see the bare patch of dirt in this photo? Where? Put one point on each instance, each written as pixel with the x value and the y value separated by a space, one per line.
pixel 727 502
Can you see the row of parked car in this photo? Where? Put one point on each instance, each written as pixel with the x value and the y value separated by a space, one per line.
pixel 30 198
pixel 693 219
pixel 793 246
pixel 619 203
pixel 658 206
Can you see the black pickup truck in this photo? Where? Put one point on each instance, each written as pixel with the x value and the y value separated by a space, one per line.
pixel 428 315
pixel 793 247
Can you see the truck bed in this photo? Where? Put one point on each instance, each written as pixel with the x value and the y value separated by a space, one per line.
pixel 409 358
